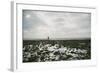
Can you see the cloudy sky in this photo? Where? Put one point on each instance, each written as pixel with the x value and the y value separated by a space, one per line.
pixel 56 25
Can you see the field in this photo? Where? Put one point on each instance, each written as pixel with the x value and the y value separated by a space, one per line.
pixel 56 50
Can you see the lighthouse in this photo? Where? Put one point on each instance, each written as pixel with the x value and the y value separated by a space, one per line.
pixel 48 38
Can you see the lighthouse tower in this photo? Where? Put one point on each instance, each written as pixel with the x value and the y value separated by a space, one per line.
pixel 48 38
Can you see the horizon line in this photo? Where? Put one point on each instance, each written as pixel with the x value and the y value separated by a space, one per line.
pixel 59 39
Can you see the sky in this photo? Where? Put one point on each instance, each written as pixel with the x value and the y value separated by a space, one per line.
pixel 56 25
